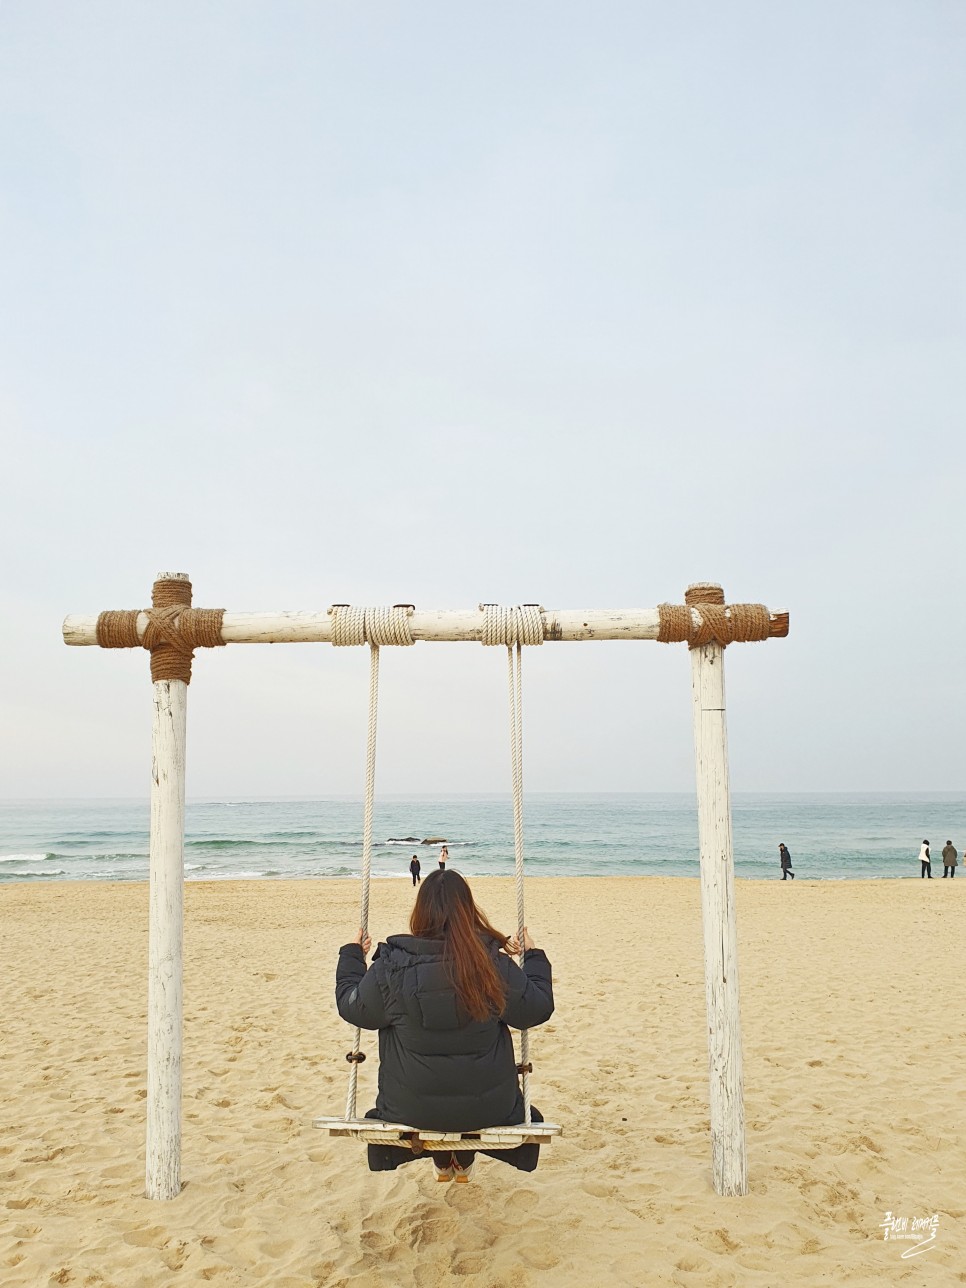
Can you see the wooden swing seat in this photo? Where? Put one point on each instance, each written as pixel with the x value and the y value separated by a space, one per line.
pixel 375 1132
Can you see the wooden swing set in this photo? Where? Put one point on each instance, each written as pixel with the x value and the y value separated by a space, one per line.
pixel 171 629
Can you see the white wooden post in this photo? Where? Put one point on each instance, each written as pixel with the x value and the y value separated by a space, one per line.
pixel 165 936
pixel 728 1161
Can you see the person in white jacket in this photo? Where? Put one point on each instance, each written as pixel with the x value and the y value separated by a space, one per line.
pixel 926 870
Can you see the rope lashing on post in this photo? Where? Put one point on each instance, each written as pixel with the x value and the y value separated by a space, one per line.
pixel 174 630
pixel 514 627
pixel 721 623
pixel 375 627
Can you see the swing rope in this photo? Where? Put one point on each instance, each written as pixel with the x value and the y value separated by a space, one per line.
pixel 355 1057
pixel 514 655
pixel 514 627
pixel 372 626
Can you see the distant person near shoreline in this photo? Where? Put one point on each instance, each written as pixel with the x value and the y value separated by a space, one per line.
pixel 950 858
pixel 786 862
pixel 443 856
pixel 926 869
pixel 415 867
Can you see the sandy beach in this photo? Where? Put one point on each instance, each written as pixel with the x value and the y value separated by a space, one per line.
pixel 854 1019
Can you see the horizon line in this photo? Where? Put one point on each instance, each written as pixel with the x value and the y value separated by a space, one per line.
pixel 215 798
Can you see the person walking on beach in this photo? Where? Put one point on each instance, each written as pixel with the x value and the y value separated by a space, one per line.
pixel 926 870
pixel 415 868
pixel 949 859
pixel 443 856
pixel 443 998
pixel 786 862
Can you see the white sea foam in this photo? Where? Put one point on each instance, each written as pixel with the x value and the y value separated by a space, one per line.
pixel 35 874
pixel 23 858
pixel 229 876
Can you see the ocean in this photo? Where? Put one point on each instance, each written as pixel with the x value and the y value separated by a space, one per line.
pixel 831 837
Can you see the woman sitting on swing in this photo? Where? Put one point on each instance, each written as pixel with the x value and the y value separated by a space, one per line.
pixel 442 998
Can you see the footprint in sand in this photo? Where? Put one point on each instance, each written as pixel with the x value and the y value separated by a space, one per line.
pixel 25 1231
pixel 717 1241
pixel 540 1258
pixel 525 1200
pixel 175 1255
pixel 42 1155
pixel 600 1189
pixel 152 1236
pixel 276 1248
pixel 472 1265
pixel 379 1249
pixel 592 1141
pixel 423 1231
pixel 691 1265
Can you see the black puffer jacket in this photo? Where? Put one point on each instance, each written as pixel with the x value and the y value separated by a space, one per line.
pixel 438 1069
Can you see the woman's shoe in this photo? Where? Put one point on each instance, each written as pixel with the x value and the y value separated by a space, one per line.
pixel 461 1175
pixel 443 1173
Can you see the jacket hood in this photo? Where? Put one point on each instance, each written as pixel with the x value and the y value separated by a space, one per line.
pixel 410 950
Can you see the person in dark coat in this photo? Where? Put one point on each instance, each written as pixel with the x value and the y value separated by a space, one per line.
pixel 443 999
pixel 415 867
pixel 950 858
pixel 786 862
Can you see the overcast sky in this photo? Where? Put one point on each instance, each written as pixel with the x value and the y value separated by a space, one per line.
pixel 447 302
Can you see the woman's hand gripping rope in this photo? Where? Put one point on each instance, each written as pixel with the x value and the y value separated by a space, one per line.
pixel 363 940
pixel 512 945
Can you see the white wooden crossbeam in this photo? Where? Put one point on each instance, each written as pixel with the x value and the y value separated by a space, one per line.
pixel 427 624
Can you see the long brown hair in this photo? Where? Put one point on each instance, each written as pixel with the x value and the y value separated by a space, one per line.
pixel 445 910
